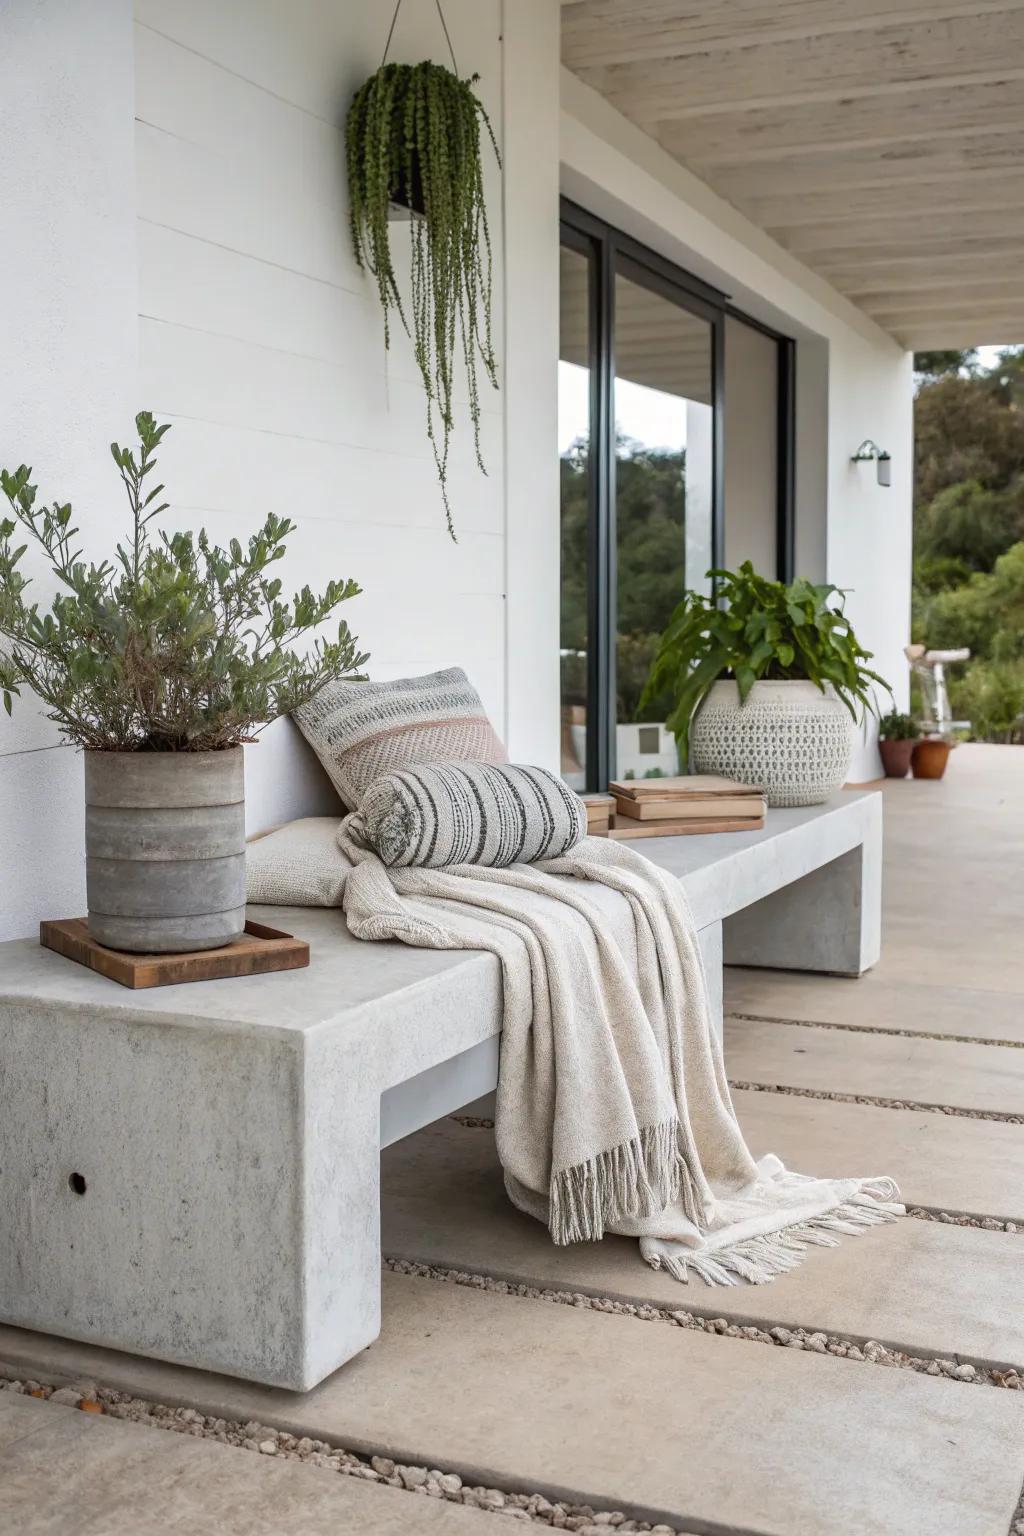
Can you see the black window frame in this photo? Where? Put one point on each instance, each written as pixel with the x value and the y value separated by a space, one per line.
pixel 610 252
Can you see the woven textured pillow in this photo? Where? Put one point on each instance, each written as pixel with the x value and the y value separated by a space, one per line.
pixel 362 731
pixel 471 813
pixel 298 865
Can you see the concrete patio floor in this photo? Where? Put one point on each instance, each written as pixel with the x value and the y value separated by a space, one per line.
pixel 581 1375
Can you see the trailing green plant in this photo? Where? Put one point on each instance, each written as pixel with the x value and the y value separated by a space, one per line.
pixel 413 135
pixel 173 645
pixel 894 726
pixel 754 629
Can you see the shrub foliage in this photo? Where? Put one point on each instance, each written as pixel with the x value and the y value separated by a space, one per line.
pixel 172 645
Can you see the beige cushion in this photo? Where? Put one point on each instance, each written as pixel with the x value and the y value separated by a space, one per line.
pixel 363 731
pixel 298 865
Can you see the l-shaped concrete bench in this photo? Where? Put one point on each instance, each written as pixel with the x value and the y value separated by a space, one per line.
pixel 193 1172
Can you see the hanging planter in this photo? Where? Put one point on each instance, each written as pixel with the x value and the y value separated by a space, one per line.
pixel 413 138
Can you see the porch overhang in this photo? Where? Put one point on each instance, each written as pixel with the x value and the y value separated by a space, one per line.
pixel 882 145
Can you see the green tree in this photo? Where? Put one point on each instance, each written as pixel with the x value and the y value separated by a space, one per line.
pixel 934 364
pixel 969 533
pixel 650 494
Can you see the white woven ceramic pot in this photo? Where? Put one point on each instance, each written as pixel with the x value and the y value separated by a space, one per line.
pixel 789 738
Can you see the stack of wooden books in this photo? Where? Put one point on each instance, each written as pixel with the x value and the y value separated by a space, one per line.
pixel 599 809
pixel 691 803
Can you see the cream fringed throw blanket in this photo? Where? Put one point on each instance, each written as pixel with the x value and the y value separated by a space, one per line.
pixel 613 1111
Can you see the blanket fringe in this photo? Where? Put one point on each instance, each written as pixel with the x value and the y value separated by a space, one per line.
pixel 637 1179
pixel 759 1260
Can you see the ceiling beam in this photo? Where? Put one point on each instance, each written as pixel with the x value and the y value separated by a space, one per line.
pixel 928 114
pixel 965 50
pixel 974 159
pixel 596 33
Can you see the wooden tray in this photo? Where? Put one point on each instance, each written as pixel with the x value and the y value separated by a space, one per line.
pixel 258 950
pixel 625 828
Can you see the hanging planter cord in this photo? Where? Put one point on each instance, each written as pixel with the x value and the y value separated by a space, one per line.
pixel 420 120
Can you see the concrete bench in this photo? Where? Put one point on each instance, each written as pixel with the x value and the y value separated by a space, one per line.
pixel 193 1172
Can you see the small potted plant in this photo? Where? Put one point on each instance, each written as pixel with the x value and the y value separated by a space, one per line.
pixel 413 138
pixel 160 662
pixel 766 680
pixel 930 756
pixel 896 736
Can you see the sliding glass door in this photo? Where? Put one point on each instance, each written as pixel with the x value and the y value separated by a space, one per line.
pixel 644 476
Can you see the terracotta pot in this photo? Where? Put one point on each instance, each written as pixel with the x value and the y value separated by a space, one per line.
pixel 896 757
pixel 930 757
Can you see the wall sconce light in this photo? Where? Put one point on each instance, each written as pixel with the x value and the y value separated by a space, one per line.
pixel 883 460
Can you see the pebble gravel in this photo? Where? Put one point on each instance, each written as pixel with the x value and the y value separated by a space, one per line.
pixel 876 1102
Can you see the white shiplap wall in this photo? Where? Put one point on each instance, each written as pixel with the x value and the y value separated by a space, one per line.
pixel 261 341
pixel 67 385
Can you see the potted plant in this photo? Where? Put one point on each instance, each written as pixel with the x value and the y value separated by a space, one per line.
pixel 413 137
pixel 766 679
pixel 896 736
pixel 930 757
pixel 160 662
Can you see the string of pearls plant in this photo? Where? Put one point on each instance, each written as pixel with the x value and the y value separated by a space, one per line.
pixel 413 136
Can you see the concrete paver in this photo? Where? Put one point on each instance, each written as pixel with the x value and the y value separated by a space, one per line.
pixel 986 1077
pixel 943 1161
pixel 641 1417
pixel 873 1002
pixel 913 1285
pixel 62 1470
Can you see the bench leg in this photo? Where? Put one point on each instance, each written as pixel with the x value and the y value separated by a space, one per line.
pixel 829 920
pixel 710 940
pixel 341 1257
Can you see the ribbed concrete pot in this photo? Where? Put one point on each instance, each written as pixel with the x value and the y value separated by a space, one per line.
pixel 165 849
pixel 789 738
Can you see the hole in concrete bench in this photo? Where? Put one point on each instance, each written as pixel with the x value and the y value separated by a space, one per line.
pixel 77 1183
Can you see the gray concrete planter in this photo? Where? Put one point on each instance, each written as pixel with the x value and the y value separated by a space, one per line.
pixel 165 849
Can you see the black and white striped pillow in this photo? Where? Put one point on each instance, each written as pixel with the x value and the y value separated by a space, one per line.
pixel 471 813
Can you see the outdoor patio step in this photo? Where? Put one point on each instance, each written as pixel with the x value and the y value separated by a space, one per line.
pixel 915 1285
pixel 711 1432
pixel 872 1002
pixel 63 1470
pixel 985 1077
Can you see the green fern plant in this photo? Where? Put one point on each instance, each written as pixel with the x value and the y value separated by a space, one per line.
pixel 754 629
pixel 413 135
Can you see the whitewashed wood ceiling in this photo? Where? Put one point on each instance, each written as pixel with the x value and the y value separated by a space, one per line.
pixel 881 143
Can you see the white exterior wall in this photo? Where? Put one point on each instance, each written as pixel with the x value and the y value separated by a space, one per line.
pixel 853 380
pixel 212 234
pixel 67 386
pixel 197 263
pixel 262 342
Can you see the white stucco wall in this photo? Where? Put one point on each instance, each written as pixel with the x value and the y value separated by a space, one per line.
pixel 853 380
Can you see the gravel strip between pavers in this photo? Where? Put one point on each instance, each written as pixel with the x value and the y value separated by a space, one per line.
pixel 876 1102
pixel 816 1341
pixel 874 1029
pixel 263 1439
pixel 959 1219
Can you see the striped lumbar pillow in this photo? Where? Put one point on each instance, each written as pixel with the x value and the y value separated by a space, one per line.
pixel 471 813
pixel 362 731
